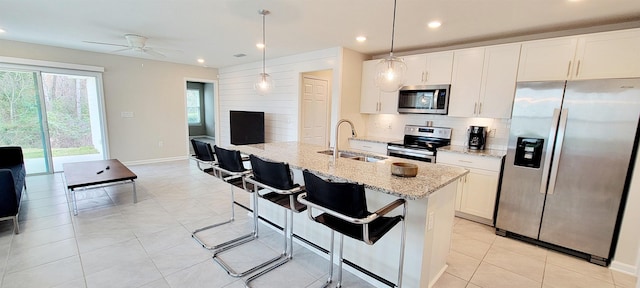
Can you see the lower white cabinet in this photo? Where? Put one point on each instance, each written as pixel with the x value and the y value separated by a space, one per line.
pixel 476 194
pixel 368 146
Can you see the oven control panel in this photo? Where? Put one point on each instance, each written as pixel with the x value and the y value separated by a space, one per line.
pixel 428 131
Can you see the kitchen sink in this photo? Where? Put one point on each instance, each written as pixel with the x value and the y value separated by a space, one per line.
pixel 354 156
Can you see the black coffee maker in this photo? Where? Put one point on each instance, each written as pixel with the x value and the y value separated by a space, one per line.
pixel 477 137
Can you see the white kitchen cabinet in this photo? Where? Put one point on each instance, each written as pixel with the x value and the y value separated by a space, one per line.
pixel 477 191
pixel 483 81
pixel 429 69
pixel 368 146
pixel 608 55
pixel 372 100
pixel 592 56
pixel 546 59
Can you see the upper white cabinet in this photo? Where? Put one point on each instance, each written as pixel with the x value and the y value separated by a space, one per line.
pixel 483 81
pixel 608 55
pixel 429 69
pixel 372 100
pixel 594 56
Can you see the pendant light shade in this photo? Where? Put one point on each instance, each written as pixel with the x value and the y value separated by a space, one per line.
pixel 264 82
pixel 391 71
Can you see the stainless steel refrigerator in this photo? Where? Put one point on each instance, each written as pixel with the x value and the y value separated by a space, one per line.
pixel 568 165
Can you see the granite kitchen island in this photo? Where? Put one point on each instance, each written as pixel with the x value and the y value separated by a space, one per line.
pixel 430 201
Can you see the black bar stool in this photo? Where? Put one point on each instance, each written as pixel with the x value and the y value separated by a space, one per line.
pixel 230 169
pixel 203 155
pixel 344 208
pixel 275 178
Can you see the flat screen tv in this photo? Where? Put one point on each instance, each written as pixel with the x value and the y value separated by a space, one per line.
pixel 247 127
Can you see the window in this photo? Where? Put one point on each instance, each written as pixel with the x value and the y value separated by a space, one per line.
pixel 194 116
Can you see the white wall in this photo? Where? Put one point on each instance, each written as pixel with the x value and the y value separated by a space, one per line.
pixel 627 256
pixel 152 90
pixel 351 75
pixel 281 106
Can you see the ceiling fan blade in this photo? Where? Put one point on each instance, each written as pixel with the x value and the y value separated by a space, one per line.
pixel 102 43
pixel 167 50
pixel 153 52
pixel 121 50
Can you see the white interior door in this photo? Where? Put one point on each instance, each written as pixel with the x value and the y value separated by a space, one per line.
pixel 314 111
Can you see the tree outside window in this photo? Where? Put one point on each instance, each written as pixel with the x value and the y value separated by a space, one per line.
pixel 193 107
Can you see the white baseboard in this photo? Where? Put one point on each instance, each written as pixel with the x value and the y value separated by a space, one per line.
pixel 624 268
pixel 435 279
pixel 157 160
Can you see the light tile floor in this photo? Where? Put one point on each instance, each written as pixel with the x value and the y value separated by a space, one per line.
pixel 114 243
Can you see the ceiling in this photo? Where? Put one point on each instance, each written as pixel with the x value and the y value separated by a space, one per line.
pixel 215 30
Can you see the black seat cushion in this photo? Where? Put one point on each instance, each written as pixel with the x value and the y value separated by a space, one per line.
pixel 203 150
pixel 377 228
pixel 344 198
pixel 9 202
pixel 230 160
pixel 11 156
pixel 284 201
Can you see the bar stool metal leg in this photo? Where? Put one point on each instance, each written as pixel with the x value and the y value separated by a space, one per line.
pixel 287 252
pixel 254 236
pixel 241 239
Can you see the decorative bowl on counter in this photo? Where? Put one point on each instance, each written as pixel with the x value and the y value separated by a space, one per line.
pixel 403 169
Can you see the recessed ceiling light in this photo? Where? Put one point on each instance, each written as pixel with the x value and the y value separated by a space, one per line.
pixel 434 24
pixel 2 30
pixel 361 38
pixel 260 45
pixel 200 60
pixel 240 55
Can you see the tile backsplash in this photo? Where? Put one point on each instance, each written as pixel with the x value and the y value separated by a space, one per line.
pixel 392 126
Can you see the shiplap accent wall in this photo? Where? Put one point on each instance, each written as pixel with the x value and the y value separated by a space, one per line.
pixel 281 106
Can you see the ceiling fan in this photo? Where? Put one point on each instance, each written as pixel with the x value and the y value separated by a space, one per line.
pixel 135 43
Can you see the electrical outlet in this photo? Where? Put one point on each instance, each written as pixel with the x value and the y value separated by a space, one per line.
pixel 160 144
pixel 492 133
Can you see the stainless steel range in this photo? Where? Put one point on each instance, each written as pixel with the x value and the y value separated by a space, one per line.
pixel 420 143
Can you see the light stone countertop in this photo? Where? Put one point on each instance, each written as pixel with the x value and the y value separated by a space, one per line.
pixel 374 175
pixel 464 150
pixel 377 139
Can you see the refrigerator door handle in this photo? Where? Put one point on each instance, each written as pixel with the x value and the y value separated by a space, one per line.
pixel 547 156
pixel 558 150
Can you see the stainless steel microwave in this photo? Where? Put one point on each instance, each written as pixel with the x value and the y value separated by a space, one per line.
pixel 424 99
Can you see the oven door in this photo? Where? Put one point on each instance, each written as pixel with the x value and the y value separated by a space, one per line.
pixel 414 154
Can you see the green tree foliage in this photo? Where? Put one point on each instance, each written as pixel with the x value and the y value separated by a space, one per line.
pixel 66 105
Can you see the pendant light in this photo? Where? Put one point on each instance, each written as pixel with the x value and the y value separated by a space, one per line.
pixel 391 71
pixel 264 83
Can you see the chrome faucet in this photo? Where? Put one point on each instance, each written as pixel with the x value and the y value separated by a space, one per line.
pixel 353 134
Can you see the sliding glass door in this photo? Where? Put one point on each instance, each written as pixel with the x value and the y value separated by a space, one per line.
pixel 73 118
pixel 55 116
pixel 21 122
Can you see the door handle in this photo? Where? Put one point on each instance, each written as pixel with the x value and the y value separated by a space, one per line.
pixel 547 156
pixel 558 150
pixel 426 76
pixel 475 108
pixel 480 108
pixel 578 69
pixel 569 69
